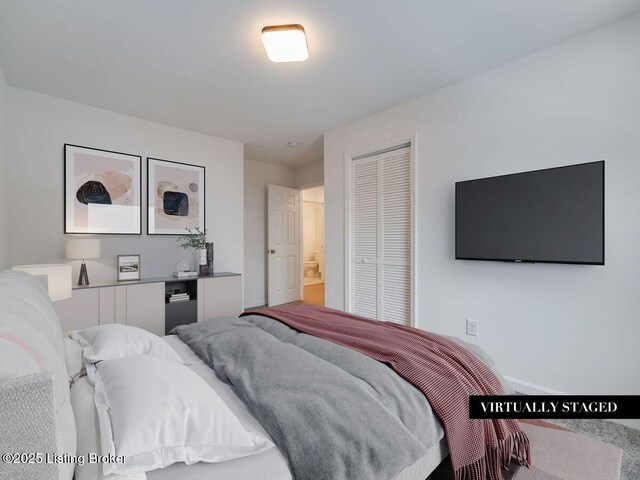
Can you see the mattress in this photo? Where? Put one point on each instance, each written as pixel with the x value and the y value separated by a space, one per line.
pixel 268 465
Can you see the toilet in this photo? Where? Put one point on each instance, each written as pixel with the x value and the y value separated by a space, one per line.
pixel 313 268
pixel 310 268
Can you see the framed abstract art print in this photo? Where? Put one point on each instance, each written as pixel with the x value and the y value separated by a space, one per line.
pixel 175 197
pixel 102 191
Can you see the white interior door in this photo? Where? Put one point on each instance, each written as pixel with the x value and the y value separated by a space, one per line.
pixel 283 245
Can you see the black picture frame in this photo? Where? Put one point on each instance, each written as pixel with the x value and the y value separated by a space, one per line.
pixel 151 230
pixel 66 194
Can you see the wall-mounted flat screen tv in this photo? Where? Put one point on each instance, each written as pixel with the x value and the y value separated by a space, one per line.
pixel 554 215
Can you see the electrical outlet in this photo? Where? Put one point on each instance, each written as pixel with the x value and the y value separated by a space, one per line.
pixel 472 327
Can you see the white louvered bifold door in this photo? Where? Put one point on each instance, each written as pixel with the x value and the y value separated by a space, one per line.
pixel 381 236
pixel 365 237
pixel 396 236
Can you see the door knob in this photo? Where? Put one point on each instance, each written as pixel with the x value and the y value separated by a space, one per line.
pixel 271 251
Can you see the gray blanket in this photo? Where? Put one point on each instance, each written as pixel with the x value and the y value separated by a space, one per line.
pixel 334 413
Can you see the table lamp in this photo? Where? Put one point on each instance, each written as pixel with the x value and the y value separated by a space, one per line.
pixel 56 277
pixel 82 249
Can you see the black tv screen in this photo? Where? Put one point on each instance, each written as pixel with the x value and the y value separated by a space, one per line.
pixel 554 216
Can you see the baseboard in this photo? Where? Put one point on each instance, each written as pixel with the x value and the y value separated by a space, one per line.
pixel 527 388
pixel 260 303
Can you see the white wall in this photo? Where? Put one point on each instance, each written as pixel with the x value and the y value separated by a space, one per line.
pixel 574 329
pixel 315 194
pixel 4 158
pixel 310 174
pixel 312 229
pixel 257 175
pixel 39 127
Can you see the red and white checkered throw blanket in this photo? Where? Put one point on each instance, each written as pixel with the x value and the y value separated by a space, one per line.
pixel 444 371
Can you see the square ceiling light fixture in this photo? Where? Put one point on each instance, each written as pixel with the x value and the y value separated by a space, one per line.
pixel 285 43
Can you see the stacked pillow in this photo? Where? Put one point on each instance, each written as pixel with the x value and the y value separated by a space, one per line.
pixel 151 408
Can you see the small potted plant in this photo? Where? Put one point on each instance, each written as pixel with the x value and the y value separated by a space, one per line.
pixel 195 239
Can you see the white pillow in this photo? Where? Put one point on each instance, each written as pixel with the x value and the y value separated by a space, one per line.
pixel 157 412
pixel 106 342
pixel 87 434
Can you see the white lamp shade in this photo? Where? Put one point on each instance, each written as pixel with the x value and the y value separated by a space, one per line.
pixel 82 248
pixel 57 277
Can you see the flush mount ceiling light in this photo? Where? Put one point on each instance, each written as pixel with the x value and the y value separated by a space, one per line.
pixel 293 144
pixel 285 43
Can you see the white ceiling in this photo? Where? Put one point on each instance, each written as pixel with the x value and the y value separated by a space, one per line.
pixel 200 65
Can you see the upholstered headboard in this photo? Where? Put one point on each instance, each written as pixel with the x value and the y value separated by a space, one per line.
pixel 28 420
pixel 31 341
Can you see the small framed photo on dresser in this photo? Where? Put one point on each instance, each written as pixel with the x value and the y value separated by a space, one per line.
pixel 128 268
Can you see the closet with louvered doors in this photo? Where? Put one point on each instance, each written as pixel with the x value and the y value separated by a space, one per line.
pixel 380 216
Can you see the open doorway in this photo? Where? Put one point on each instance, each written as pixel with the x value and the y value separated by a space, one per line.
pixel 313 245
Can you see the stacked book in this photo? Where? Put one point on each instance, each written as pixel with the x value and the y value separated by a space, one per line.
pixel 177 297
pixel 185 274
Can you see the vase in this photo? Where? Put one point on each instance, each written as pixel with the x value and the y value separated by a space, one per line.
pixel 206 268
pixel 197 262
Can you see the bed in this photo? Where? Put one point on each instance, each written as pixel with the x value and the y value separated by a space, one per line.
pixel 78 422
pixel 269 465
